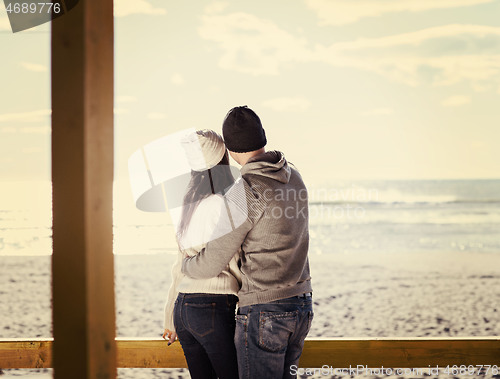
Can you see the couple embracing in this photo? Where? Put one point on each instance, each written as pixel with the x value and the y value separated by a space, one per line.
pixel 240 302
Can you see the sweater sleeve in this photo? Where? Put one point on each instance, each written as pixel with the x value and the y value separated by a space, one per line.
pixel 216 255
pixel 172 293
pixel 236 219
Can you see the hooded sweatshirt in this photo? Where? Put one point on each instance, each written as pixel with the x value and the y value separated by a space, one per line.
pixel 268 213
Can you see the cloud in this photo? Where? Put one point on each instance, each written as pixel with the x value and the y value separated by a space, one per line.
pixel 378 112
pixel 33 116
pixel 216 7
pixel 177 79
pixel 34 67
pixel 250 44
pixel 441 55
pixel 455 101
pixel 128 7
pixel 461 35
pixel 287 104
pixel 341 12
pixel 156 116
pixel 436 56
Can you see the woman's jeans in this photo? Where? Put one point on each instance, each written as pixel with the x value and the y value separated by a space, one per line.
pixel 205 327
pixel 269 337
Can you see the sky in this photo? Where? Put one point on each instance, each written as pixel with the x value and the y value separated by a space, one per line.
pixel 347 89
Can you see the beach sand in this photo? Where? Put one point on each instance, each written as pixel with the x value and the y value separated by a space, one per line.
pixel 355 295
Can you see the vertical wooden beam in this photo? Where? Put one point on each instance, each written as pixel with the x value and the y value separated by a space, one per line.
pixel 82 179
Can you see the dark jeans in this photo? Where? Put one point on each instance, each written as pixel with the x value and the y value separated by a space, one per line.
pixel 205 327
pixel 269 337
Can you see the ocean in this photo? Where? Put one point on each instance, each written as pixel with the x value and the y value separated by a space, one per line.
pixel 407 217
pixel 345 217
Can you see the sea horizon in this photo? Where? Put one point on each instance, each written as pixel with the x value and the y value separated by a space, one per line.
pixel 347 216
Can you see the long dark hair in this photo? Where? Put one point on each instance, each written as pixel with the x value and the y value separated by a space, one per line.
pixel 203 184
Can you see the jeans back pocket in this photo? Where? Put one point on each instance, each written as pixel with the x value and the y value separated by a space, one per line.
pixel 275 329
pixel 200 318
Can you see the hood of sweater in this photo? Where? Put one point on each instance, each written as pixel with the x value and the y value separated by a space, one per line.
pixel 271 164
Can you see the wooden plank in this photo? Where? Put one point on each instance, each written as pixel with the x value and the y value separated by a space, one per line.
pixel 387 352
pixel 18 353
pixel 82 178
pixel 150 353
pixel 416 352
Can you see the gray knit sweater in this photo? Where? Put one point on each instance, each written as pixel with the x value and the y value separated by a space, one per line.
pixel 269 222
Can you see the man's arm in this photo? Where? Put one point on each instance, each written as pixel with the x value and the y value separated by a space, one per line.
pixel 210 262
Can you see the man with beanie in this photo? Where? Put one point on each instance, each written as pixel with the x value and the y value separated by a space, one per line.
pixel 269 222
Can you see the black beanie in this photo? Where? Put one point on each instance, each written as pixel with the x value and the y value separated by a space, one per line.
pixel 242 130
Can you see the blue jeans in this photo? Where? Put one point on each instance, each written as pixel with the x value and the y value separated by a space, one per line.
pixel 269 337
pixel 205 327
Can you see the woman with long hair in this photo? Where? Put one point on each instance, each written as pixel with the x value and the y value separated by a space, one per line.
pixel 201 313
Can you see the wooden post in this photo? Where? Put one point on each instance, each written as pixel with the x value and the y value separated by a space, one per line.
pixel 82 179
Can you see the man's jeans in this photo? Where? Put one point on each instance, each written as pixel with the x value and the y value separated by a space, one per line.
pixel 269 337
pixel 205 327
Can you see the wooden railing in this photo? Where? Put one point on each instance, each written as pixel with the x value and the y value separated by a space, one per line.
pixel 386 352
